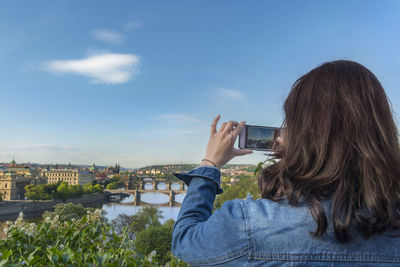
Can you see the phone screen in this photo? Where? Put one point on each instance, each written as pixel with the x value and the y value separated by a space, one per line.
pixel 262 138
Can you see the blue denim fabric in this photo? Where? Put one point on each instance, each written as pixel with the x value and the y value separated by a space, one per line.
pixel 247 232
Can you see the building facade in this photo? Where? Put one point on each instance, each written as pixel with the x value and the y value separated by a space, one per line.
pixel 13 181
pixel 72 177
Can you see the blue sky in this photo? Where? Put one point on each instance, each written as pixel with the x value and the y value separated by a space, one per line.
pixel 138 82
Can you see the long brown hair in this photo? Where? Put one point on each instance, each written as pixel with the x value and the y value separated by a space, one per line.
pixel 340 143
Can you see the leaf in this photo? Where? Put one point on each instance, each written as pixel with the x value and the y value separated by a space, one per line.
pixel 7 254
pixel 31 256
pixel 259 168
pixel 65 258
pixel 35 259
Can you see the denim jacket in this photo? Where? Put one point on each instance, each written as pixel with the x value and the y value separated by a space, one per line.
pixel 248 232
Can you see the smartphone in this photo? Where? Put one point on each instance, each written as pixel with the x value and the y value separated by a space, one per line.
pixel 258 137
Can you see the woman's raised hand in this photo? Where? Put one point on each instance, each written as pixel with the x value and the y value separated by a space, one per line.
pixel 220 149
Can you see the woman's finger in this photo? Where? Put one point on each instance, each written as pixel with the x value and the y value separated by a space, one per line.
pixel 223 125
pixel 214 124
pixel 238 129
pixel 229 127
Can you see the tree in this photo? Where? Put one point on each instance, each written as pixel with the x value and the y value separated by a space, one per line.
pixel 75 191
pixel 63 191
pixel 36 192
pixel 156 238
pixel 98 188
pixel 115 185
pixel 170 223
pixel 109 181
pixel 60 190
pixel 88 188
pixel 146 217
pixel 246 185
pixel 51 188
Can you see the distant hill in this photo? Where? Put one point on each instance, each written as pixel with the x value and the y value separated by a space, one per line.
pixel 188 167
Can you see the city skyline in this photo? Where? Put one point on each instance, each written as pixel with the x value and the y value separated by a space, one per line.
pixel 139 83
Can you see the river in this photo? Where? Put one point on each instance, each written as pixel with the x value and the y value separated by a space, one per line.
pixel 113 209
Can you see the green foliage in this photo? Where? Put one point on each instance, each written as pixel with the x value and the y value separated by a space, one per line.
pixel 60 190
pixel 75 191
pixel 67 212
pixel 63 191
pixel 170 223
pixel 146 217
pixel 261 164
pixel 109 181
pixel 38 192
pixel 258 168
pixel 97 188
pixel 156 238
pixel 246 185
pixel 225 179
pixel 115 185
pixel 250 169
pixel 89 188
pixel 87 241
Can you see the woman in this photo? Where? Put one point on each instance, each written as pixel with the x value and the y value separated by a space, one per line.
pixel 331 200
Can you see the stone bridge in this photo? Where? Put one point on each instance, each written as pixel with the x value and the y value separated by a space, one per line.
pixel 155 183
pixel 133 182
pixel 111 194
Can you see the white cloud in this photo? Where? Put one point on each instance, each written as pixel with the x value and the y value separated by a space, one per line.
pixel 133 25
pixel 230 94
pixel 44 147
pixel 6 156
pixel 178 118
pixel 173 126
pixel 108 36
pixel 103 68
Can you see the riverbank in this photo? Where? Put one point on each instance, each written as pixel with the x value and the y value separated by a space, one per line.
pixel 9 210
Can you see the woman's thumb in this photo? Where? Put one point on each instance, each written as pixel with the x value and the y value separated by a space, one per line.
pixel 242 152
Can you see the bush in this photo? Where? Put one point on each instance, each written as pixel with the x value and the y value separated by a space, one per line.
pixel 67 212
pixel 87 241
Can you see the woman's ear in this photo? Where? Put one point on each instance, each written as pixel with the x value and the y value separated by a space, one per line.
pixel 280 140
